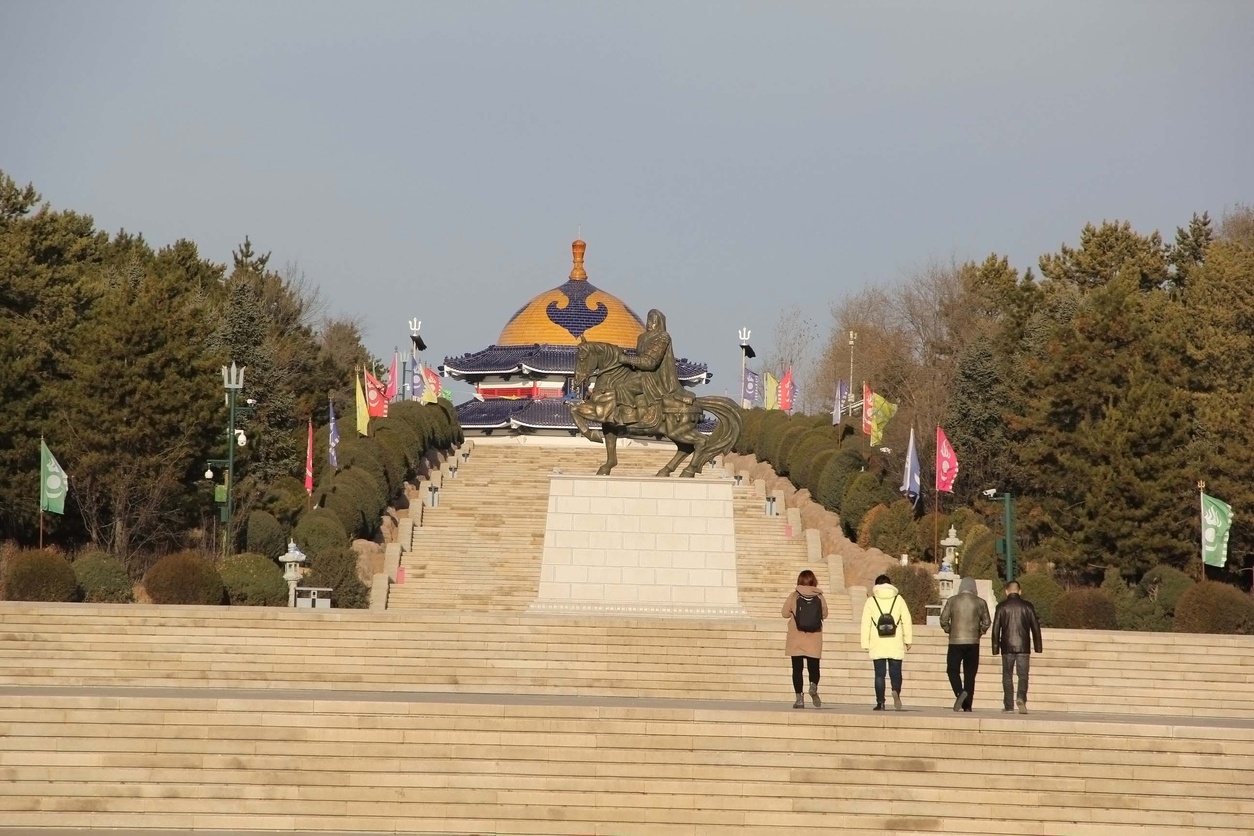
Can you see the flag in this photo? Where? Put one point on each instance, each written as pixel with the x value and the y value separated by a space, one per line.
pixel 749 389
pixel 881 413
pixel 389 393
pixel 838 408
pixel 868 404
pixel 786 390
pixel 52 482
pixel 309 461
pixel 772 391
pixel 363 415
pixel 431 388
pixel 911 485
pixel 946 463
pixel 376 397
pixel 417 384
pixel 333 440
pixel 1216 520
pixel 447 394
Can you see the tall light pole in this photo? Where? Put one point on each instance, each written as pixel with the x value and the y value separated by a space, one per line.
pixel 233 382
pixel 746 353
pixel 1006 544
pixel 417 346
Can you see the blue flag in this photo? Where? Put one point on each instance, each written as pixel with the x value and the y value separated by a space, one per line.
pixel 334 440
pixel 842 397
pixel 910 482
pixel 749 389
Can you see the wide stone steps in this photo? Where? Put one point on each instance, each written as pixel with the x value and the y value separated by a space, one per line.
pixel 512 765
pixel 469 650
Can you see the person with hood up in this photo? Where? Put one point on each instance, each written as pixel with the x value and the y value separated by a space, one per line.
pixel 965 618
pixel 805 609
pixel 886 635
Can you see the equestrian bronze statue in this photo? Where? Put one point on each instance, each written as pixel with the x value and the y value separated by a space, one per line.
pixel 640 395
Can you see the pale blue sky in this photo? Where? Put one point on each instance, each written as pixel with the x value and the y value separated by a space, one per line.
pixel 434 160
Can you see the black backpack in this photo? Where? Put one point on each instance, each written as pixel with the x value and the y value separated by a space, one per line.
pixel 886 626
pixel 808 613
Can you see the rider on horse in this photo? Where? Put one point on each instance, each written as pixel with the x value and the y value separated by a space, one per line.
pixel 659 389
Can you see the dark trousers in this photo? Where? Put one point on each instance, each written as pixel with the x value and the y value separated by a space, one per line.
pixel 796 672
pixel 967 658
pixel 1012 663
pixel 894 674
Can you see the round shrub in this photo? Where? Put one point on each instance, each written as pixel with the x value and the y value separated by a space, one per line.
pixel 917 586
pixel 787 443
pixel 184 578
pixel 253 580
pixel 1043 591
pixel 39 576
pixel 868 523
pixel 102 579
pixel 1164 585
pixel 802 454
pixel 814 468
pixel 865 491
pixel 337 568
pixel 1213 607
pixel 962 520
pixel 835 477
pixel 893 531
pixel 978 557
pixel 318 531
pixel 265 535
pixel 1085 608
pixel 929 530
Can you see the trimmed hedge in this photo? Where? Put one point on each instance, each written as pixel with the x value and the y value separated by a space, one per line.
pixel 319 531
pixel 813 470
pixel 102 579
pixel 253 580
pixel 893 531
pixel 834 480
pixel 865 491
pixel 1164 585
pixel 337 568
pixel 1043 592
pixel 787 443
pixel 1213 607
pixel 184 578
pixel 1085 609
pixel 868 523
pixel 39 576
pixel 917 586
pixel 265 535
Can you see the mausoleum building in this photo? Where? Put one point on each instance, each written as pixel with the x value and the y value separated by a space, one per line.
pixel 523 381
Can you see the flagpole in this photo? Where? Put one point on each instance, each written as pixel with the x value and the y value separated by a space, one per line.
pixel 42 481
pixel 1201 501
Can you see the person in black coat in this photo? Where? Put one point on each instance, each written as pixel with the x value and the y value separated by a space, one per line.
pixel 1016 633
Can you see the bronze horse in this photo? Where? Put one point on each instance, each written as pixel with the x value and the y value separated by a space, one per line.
pixel 614 401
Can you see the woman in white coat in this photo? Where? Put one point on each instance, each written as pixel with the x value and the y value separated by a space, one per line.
pixel 886 636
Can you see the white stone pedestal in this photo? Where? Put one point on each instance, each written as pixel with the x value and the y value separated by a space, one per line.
pixel 639 546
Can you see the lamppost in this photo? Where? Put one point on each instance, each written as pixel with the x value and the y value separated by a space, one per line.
pixel 233 382
pixel 1006 544
pixel 417 345
pixel 746 353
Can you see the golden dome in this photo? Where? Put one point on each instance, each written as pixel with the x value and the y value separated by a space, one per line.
pixel 573 309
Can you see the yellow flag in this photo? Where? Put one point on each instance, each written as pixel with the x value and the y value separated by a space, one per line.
pixel 772 391
pixel 363 417
pixel 881 412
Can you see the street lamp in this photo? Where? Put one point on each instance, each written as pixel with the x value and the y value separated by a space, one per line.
pixel 233 382
pixel 746 353
pixel 1006 544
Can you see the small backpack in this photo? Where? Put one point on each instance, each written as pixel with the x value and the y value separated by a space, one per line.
pixel 808 613
pixel 886 626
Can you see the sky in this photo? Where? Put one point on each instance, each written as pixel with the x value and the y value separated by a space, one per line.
pixel 724 161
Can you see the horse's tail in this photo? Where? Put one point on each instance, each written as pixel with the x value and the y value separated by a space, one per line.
pixel 728 429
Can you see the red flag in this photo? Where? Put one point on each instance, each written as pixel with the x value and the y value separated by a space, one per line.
pixel 390 392
pixel 376 397
pixel 868 404
pixel 946 463
pixel 785 390
pixel 309 461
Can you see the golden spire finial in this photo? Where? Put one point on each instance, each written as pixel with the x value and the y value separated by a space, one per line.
pixel 577 272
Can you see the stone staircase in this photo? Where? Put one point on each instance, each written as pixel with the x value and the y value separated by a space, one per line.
pixel 486 536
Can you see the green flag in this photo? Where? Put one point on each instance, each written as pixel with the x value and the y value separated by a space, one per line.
pixel 1216 520
pixel 446 394
pixel 52 482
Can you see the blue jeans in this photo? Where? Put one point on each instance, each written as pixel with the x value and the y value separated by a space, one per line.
pixel 894 673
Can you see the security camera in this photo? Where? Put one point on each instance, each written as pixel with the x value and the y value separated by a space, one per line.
pixel 209 474
pixel 251 401
pixel 990 493
pixel 240 438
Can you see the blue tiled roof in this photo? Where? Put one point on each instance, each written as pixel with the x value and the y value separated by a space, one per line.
pixel 487 414
pixel 547 359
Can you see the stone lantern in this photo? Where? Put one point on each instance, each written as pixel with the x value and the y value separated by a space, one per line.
pixel 291 570
pixel 945 577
